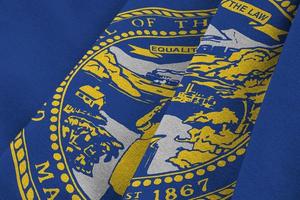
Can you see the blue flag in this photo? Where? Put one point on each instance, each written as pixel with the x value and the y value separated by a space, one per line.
pixel 162 106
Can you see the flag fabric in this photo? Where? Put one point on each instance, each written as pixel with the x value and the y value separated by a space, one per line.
pixel 113 97
pixel 148 113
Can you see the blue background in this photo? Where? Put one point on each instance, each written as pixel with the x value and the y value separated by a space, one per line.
pixel 40 41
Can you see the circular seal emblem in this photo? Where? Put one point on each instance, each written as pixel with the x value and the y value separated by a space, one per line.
pixel 103 115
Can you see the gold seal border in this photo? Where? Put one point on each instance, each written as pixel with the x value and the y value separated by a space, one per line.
pixel 21 162
pixel 164 12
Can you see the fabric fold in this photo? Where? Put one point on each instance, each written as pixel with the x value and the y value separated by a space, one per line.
pixel 273 156
pixel 198 148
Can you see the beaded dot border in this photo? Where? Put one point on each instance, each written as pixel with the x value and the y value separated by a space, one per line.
pixel 180 177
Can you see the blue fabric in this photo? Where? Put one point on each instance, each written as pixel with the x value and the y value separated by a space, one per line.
pixel 271 167
pixel 40 42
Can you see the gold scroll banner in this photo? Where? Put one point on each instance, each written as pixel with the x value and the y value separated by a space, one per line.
pixel 155 51
pixel 247 10
pixel 259 16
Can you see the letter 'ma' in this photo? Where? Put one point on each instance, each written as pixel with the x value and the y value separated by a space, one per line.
pixel 42 171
